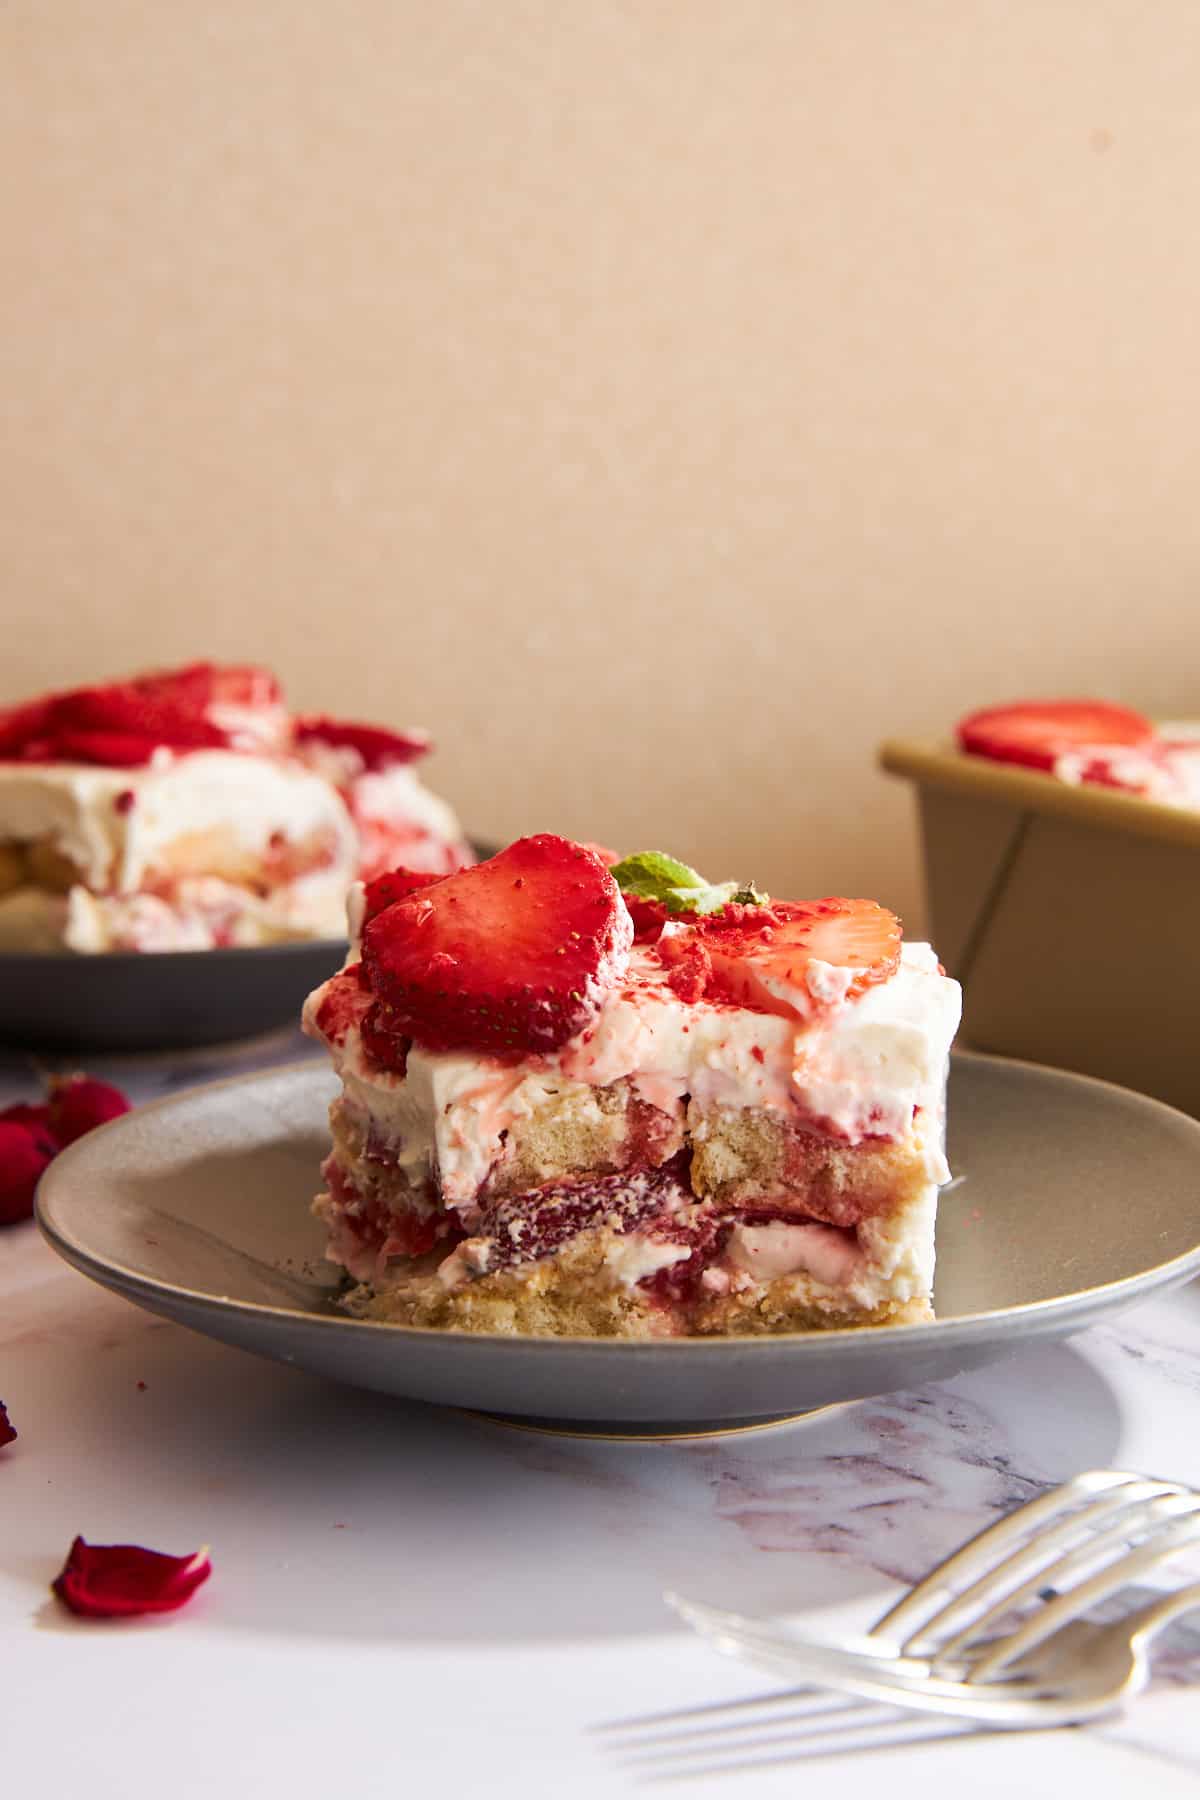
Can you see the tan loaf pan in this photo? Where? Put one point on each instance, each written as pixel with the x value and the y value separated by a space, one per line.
pixel 1071 915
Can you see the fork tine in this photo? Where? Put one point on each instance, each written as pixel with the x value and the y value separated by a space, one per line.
pixel 1051 1617
pixel 1139 1521
pixel 1033 1558
pixel 915 1615
pixel 1015 1702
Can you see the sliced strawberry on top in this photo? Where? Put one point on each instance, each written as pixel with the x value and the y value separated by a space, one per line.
pixel 505 958
pixel 22 727
pixel 124 712
pixel 610 858
pixel 649 917
pixel 385 1047
pixel 1037 732
pixel 397 884
pixel 378 747
pixel 107 749
pixel 800 957
pixel 199 685
pixel 123 723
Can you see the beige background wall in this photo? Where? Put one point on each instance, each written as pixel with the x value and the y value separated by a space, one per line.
pixel 662 401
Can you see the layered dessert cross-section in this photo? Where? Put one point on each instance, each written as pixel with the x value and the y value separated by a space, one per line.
pixel 589 1097
pixel 188 809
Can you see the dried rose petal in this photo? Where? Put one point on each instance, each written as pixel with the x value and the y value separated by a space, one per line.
pixel 31 1113
pixel 8 1431
pixel 114 1581
pixel 78 1103
pixel 24 1153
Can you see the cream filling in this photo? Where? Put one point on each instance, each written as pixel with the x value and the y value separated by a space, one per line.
pixel 392 800
pixel 888 1258
pixel 202 913
pixel 397 797
pixel 768 1251
pixel 251 800
pixel 859 1069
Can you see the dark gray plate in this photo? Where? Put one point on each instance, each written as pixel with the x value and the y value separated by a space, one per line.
pixel 165 1000
pixel 1074 1199
pixel 173 999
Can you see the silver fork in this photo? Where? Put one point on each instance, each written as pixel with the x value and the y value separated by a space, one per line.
pixel 995 1634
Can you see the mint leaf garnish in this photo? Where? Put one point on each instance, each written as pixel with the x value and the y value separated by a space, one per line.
pixel 653 875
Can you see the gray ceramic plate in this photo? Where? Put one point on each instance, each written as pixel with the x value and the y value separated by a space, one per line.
pixel 1074 1199
pixel 173 999
pixel 166 1000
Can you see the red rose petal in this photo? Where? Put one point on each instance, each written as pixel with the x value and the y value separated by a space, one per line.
pixel 24 1153
pixel 116 1581
pixel 8 1431
pixel 78 1103
pixel 33 1114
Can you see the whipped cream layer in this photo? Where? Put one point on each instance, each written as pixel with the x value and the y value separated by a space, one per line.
pixel 859 1068
pixel 123 830
pixel 203 913
pixel 400 821
pixel 1167 771
pixel 116 824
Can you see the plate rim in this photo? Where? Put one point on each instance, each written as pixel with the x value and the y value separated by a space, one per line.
pixel 123 959
pixel 131 1282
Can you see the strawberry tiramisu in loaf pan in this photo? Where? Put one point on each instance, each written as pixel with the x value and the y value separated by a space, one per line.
pixel 1062 863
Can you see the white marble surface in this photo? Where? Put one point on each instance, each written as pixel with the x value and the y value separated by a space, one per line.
pixel 408 1601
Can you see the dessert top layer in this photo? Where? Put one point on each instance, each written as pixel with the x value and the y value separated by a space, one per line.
pixel 1090 742
pixel 516 956
pixel 177 712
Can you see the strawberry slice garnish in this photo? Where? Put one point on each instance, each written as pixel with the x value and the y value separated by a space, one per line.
pixel 397 884
pixel 125 710
pixel 384 1046
pixel 649 917
pixel 1037 732
pixel 124 723
pixel 610 858
pixel 379 748
pixel 200 685
pixel 800 957
pixel 505 958
pixel 22 726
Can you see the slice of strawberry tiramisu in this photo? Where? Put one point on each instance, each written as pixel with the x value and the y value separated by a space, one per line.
pixel 583 1099
pixel 188 809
